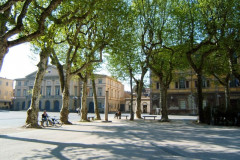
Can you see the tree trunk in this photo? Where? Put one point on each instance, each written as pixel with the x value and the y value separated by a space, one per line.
pixel 131 101
pixel 32 112
pixel 139 98
pixel 3 51
pixel 200 98
pixel 227 97
pixel 65 101
pixel 84 109
pixel 163 102
pixel 95 101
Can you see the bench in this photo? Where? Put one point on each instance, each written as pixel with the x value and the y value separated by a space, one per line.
pixel 90 117
pixel 149 117
pixel 49 122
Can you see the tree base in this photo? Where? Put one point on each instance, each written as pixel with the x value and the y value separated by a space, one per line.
pixel 83 120
pixel 67 123
pixel 33 126
pixel 164 120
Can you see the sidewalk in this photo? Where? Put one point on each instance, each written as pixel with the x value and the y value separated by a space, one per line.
pixel 122 139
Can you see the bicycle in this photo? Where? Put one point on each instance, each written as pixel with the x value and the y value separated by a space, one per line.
pixel 55 122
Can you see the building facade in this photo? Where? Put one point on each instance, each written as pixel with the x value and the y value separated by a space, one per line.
pixel 145 102
pixel 182 93
pixel 51 96
pixel 6 93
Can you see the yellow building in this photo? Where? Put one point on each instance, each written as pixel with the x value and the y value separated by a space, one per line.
pixel 6 93
pixel 115 93
pixel 182 93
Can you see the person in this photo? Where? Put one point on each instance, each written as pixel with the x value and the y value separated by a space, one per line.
pixel 118 114
pixel 45 117
pixel 78 110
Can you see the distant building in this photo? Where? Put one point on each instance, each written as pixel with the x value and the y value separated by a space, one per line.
pixel 145 101
pixel 6 93
pixel 51 96
pixel 182 93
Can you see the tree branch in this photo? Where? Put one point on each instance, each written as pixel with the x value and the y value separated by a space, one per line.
pixel 7 5
pixel 39 31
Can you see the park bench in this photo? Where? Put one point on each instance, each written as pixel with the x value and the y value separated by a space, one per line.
pixel 90 117
pixel 149 117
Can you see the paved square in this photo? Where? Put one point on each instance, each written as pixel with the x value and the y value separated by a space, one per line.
pixel 121 139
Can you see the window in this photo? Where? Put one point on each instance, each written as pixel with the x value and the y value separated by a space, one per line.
pixel 234 82
pixel 182 104
pixel 204 103
pixel 31 83
pixel 91 92
pixel 205 83
pixel 48 90
pixel 99 91
pixel 6 83
pixel 18 92
pixel 0 92
pixel 99 105
pixel 57 82
pixel 0 82
pixel 19 83
pixel 48 82
pixel 24 92
pixel 25 83
pixel 182 83
pixel 57 90
pixel 100 81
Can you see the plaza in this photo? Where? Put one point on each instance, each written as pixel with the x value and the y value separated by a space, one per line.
pixel 140 139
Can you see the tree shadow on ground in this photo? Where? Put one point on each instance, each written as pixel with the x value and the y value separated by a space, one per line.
pixel 142 140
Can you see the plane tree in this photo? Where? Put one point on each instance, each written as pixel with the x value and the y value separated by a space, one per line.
pixel 154 32
pixel 122 64
pixel 23 21
pixel 198 28
pixel 122 58
pixel 228 37
pixel 81 43
pixel 42 46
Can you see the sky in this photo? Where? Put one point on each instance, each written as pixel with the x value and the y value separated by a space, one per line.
pixel 21 61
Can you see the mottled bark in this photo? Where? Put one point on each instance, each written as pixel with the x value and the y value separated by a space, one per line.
pixel 163 101
pixel 3 51
pixel 65 101
pixel 84 109
pixel 32 112
pixel 97 115
pixel 131 101
pixel 139 99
